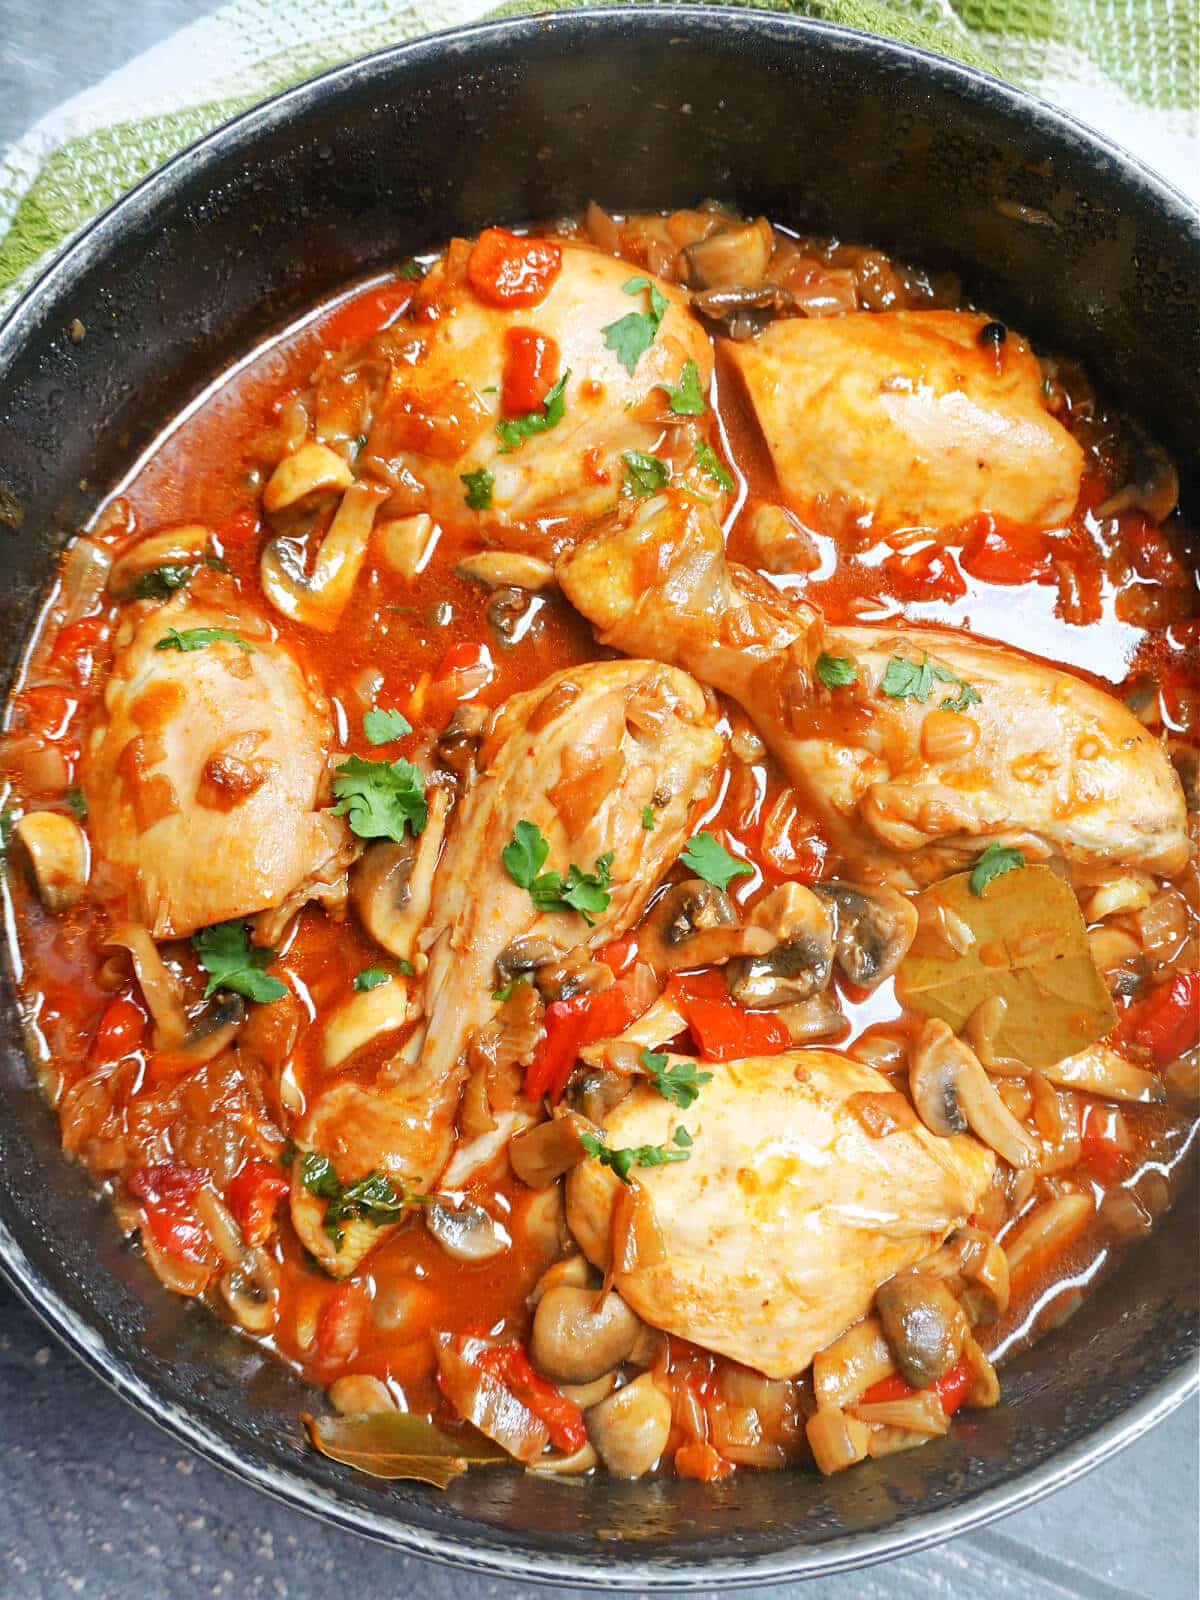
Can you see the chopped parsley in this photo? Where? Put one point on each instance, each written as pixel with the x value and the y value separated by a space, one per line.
pixel 585 892
pixel 996 859
pixel 709 463
pixel 479 489
pixel 680 1084
pixel 687 400
pixel 162 583
pixel 513 431
pixel 288 1154
pixel 648 818
pixel 712 862
pixel 7 818
pixel 644 474
pixel 384 727
pixel 836 672
pixel 197 638
pixel 374 1199
pixel 633 334
pixel 624 1160
pixel 371 978
pixel 225 954
pixel 77 801
pixel 380 797
pixel 507 990
pixel 412 269
pixel 912 680
pixel 404 968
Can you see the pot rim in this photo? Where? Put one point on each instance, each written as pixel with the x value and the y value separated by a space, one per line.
pixel 476 1550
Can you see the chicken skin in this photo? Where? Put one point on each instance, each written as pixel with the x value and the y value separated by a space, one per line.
pixel 958 744
pixel 771 1238
pixel 917 417
pixel 206 780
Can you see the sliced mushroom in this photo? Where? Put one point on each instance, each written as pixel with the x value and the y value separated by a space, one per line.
pixel 318 600
pixel 458 744
pixel 391 885
pixel 978 1269
pixel 523 956
pixel 365 1016
pixel 466 1232
pixel 875 928
pixel 506 569
pixel 175 547
pixel 736 256
pixel 574 974
pixel 575 1271
pixel 924 1325
pixel 407 543
pixel 539 1156
pixel 160 987
pixel 818 1018
pixel 694 924
pixel 800 960
pixel 630 1429
pixel 952 1092
pixel 213 1030
pixel 593 1091
pixel 1154 488
pixel 250 1288
pixel 55 852
pixel 578 1335
pixel 313 469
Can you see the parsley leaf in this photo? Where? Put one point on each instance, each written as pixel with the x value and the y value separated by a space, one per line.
pixel 632 335
pixel 525 857
pixel 687 400
pixel 379 797
pixel 644 474
pixel 479 489
pixel 910 680
pixel 709 463
pixel 648 818
pixel 513 431
pixel 374 1199
pixel 680 1084
pixel 197 638
pixel 712 862
pixel 585 892
pixel 997 858
pixel 384 727
pixel 968 696
pixel 404 968
pixel 225 954
pixel 506 990
pixel 162 583
pixel 835 672
pixel 371 978
pixel 412 269
pixel 288 1154
pixel 77 801
pixel 623 1161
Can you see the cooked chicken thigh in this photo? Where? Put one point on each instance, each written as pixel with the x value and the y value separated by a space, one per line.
pixel 1031 755
pixel 578 757
pixel 437 418
pixel 772 1237
pixel 914 416
pixel 206 779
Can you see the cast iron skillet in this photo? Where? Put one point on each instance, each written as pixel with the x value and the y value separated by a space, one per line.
pixel 816 126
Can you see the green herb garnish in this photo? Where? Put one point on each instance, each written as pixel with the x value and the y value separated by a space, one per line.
pixel 632 335
pixel 687 400
pixel 289 1152
pixel 644 474
pixel 479 489
pixel 371 978
pixel 411 269
pixel 648 818
pixel 380 797
pixel 624 1160
pixel 993 861
pixel 712 862
pixel 680 1084
pixel 912 680
pixel 162 583
pixel 374 1199
pixel 513 431
pixel 836 672
pixel 585 892
pixel 77 801
pixel 197 638
pixel 385 727
pixel 709 463
pixel 225 954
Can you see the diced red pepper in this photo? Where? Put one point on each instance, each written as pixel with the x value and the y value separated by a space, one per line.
pixel 722 1029
pixel 510 1365
pixel 1102 1150
pixel 47 710
pixel 168 1191
pixel 462 658
pixel 508 271
pixel 367 313
pixel 696 1458
pixel 620 954
pixel 78 636
pixel 1167 1021
pixel 238 530
pixel 950 1390
pixel 122 1029
pixel 530 371
pixel 252 1197
pixel 340 1325
pixel 1003 555
pixel 929 574
pixel 570 1024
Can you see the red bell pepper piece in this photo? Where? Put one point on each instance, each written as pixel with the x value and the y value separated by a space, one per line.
pixel 77 637
pixel 1003 555
pixel 462 658
pixel 929 574
pixel 620 955
pixel 1101 1149
pixel 1167 1021
pixel 950 1390
pixel 570 1024
pixel 510 1365
pixel 121 1031
pixel 508 271
pixel 356 320
pixel 167 1191
pixel 696 1458
pixel 530 371
pixel 252 1196
pixel 722 1029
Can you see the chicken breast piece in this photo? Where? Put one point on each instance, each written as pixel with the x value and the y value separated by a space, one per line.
pixel 911 416
pixel 437 419
pixel 205 780
pixel 772 1237
pixel 1033 755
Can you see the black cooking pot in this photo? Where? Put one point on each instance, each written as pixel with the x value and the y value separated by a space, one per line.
pixel 820 128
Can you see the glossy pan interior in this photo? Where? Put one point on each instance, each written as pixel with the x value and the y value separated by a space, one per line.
pixel 817 127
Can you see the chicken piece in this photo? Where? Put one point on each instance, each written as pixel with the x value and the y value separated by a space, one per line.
pixel 579 757
pixel 910 415
pixel 771 1238
pixel 437 419
pixel 206 778
pixel 1040 759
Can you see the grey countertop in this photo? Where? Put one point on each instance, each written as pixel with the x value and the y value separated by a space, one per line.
pixel 94 1501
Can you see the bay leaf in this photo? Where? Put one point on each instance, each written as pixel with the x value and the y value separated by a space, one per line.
pixel 398 1444
pixel 1030 946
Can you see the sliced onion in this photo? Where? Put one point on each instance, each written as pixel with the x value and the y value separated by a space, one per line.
pixel 497 1413
pixel 160 988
